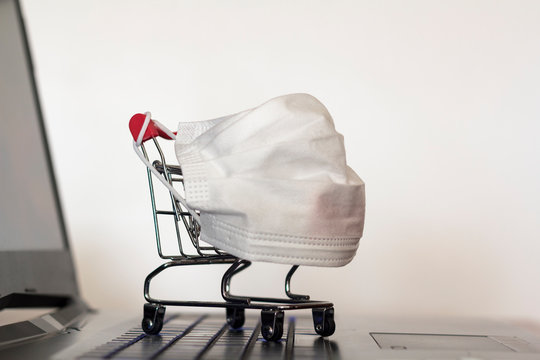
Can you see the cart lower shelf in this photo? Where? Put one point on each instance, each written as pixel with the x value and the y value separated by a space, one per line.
pixel 272 309
pixel 272 317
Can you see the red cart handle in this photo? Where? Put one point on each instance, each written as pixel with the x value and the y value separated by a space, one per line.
pixel 154 128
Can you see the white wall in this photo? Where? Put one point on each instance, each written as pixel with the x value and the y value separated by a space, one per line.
pixel 438 102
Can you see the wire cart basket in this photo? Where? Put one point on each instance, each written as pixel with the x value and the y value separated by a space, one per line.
pixel 191 251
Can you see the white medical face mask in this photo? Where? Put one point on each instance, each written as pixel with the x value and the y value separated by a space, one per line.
pixel 272 184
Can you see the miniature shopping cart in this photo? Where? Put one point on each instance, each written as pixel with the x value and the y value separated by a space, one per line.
pixel 191 251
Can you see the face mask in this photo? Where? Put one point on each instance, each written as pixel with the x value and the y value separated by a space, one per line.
pixel 272 184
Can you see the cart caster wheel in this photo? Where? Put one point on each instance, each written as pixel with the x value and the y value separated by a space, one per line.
pixel 323 321
pixel 235 317
pixel 152 322
pixel 272 324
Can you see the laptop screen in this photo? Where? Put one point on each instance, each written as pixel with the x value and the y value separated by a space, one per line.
pixel 34 253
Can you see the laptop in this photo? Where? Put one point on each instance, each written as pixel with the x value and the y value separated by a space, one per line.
pixel 42 315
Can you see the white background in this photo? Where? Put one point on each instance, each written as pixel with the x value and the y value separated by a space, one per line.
pixel 438 102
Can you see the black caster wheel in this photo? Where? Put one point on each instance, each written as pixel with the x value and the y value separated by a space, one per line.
pixel 235 317
pixel 272 324
pixel 152 322
pixel 323 321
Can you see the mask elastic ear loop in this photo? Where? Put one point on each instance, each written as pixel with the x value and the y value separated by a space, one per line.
pixel 137 144
pixel 169 133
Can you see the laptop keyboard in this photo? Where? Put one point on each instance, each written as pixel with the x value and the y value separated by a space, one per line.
pixel 208 337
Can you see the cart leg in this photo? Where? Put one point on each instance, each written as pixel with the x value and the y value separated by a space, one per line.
pixel 235 317
pixel 272 324
pixel 323 321
pixel 152 322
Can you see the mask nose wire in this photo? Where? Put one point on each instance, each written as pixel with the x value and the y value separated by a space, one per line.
pixel 137 144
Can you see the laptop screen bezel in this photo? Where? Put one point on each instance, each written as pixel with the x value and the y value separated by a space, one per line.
pixel 38 272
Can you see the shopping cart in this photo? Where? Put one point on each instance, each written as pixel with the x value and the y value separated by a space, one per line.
pixel 191 251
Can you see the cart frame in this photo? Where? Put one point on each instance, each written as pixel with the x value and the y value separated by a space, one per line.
pixel 272 309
